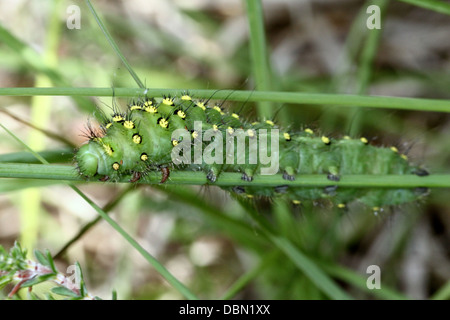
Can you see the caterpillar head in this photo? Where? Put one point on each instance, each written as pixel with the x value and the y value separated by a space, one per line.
pixel 89 158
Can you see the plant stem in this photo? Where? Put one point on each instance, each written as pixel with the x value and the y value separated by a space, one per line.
pixel 68 173
pixel 399 103
pixel 114 45
pixel 154 262
pixel 435 5
pixel 108 207
pixel 258 54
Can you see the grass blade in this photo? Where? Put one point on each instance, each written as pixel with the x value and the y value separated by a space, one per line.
pixel 114 45
pixel 443 293
pixel 68 173
pixel 434 5
pixel 369 51
pixel 400 103
pixel 258 54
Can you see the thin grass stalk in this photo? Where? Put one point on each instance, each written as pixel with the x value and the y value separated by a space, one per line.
pixel 300 98
pixel 259 56
pixel 69 173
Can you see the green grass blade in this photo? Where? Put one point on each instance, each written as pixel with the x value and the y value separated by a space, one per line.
pixel 68 173
pixel 443 293
pixel 258 54
pixel 152 260
pixel 365 67
pixel 370 50
pixel 309 268
pixel 32 60
pixel 35 154
pixel 52 156
pixel 114 45
pixel 48 133
pixel 359 281
pixel 231 226
pixel 400 103
pixel 107 208
pixel 300 260
pixel 434 5
pixel 247 277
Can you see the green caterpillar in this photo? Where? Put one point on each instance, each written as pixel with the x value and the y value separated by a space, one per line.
pixel 191 134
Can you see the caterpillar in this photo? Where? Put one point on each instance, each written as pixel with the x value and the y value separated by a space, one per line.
pixel 183 132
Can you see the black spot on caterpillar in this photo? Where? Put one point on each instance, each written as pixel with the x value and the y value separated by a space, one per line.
pixel 181 132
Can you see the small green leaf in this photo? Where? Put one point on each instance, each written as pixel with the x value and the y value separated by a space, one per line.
pixel 78 271
pixel 39 279
pixel 4 281
pixel 63 291
pixel 83 289
pixel 41 258
pixel 50 261
pixel 17 253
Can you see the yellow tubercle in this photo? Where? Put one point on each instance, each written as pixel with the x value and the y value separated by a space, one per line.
pixel 137 139
pixel 163 123
pixel 201 105
pixel 128 124
pixel 181 114
pixel 151 109
pixel 118 118
pixel 108 149
pixel 168 101
pixel 325 140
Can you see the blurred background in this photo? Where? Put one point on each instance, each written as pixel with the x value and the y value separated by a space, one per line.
pixel 204 237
